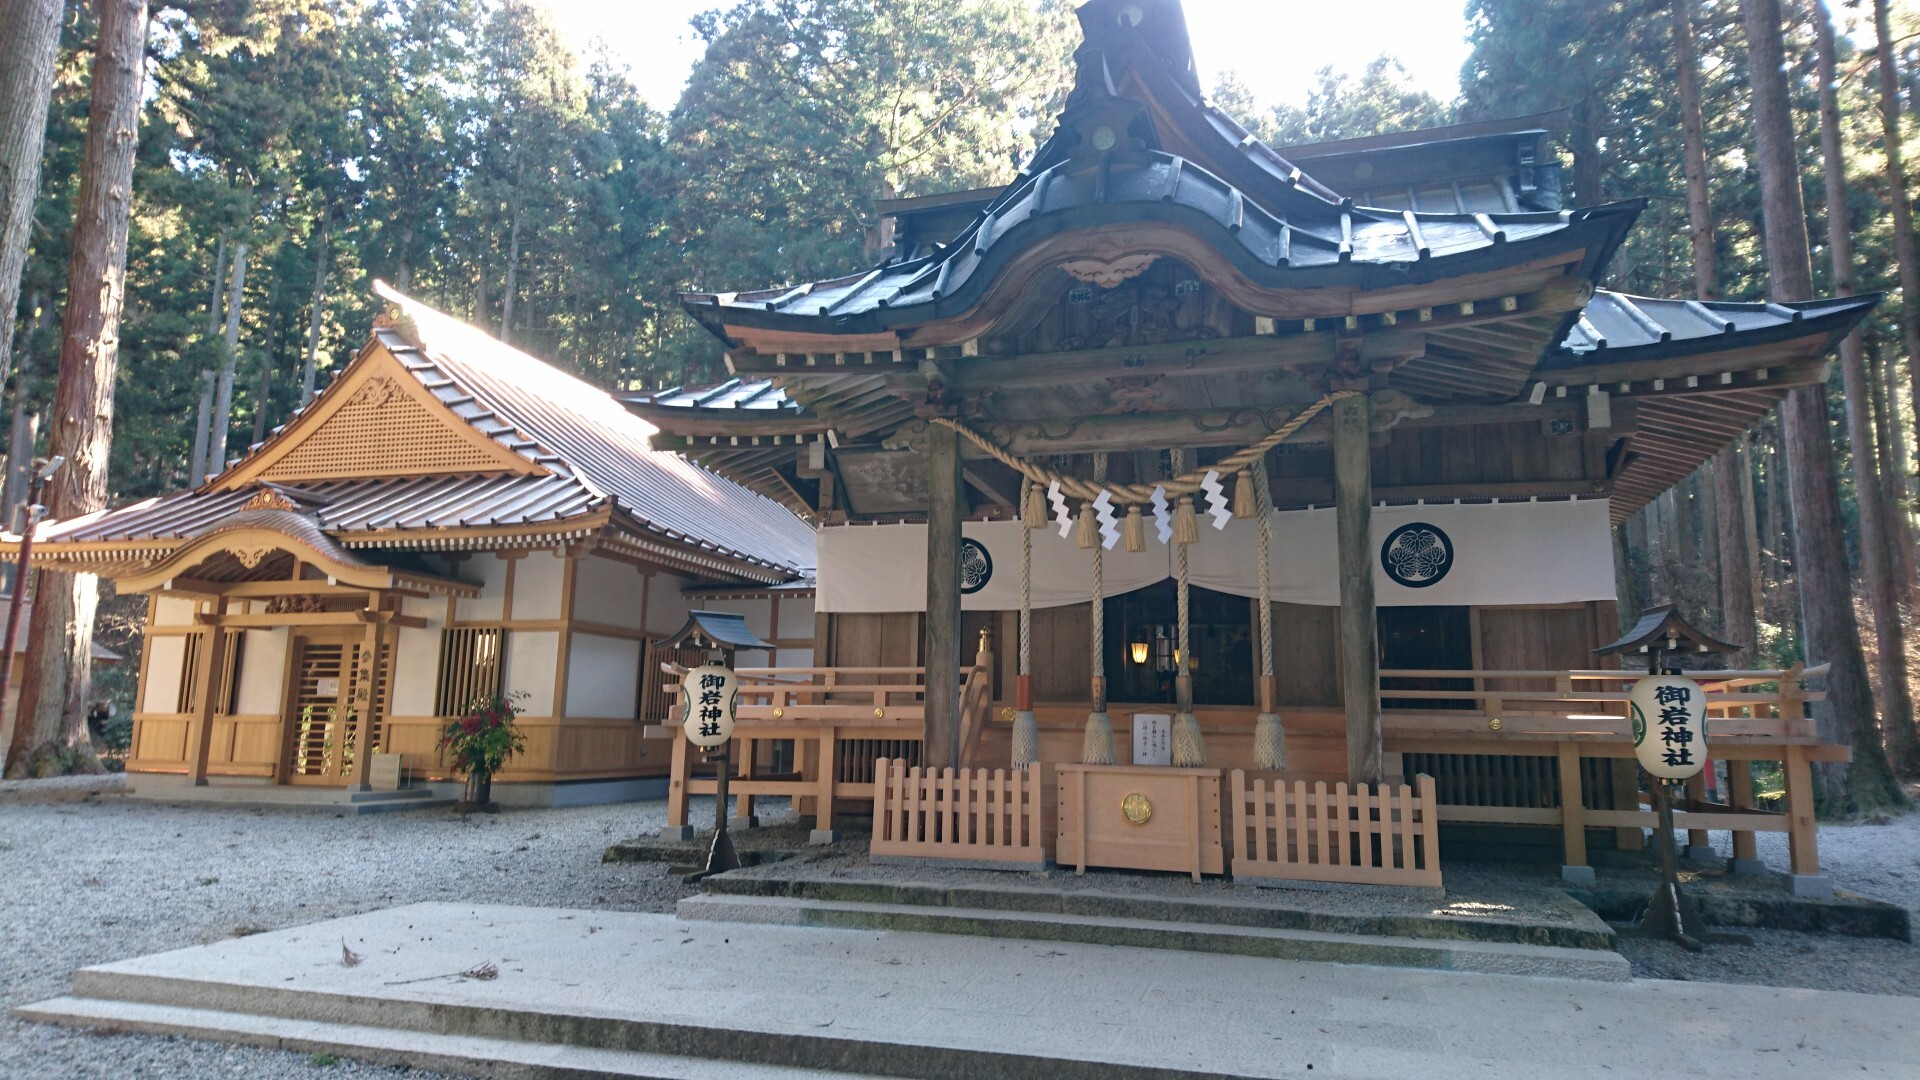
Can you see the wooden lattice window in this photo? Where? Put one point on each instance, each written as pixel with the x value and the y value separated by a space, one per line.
pixel 655 698
pixel 472 666
pixel 226 680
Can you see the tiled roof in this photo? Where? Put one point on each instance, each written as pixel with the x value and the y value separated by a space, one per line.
pixel 1612 321
pixel 568 422
pixel 594 452
pixel 1355 246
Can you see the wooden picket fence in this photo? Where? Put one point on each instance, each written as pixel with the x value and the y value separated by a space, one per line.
pixel 1293 832
pixel 961 815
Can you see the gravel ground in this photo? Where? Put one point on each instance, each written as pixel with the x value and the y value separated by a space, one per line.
pixel 83 883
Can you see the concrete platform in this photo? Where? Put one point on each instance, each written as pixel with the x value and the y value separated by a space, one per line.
pixel 153 787
pixel 596 993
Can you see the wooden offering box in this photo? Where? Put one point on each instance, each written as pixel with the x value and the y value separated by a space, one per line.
pixel 1140 817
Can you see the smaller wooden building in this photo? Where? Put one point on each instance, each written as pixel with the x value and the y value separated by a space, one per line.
pixel 450 518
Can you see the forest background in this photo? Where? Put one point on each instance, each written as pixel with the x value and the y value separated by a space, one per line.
pixel 290 151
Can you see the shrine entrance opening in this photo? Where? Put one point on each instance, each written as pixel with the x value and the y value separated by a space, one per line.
pixel 1142 660
pixel 333 673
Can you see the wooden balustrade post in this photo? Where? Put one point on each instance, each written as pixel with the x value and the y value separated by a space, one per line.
pixel 1803 832
pixel 1573 818
pixel 823 830
pixel 677 796
pixel 1699 843
pixel 743 803
pixel 1746 852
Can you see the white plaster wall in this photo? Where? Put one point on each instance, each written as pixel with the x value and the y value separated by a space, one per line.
pixel 174 611
pixel 416 666
pixel 666 607
pixel 796 620
pixel 537 583
pixel 602 677
pixel 609 592
pixel 491 572
pixel 165 655
pixel 531 656
pixel 263 670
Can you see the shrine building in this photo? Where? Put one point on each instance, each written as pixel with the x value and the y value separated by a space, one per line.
pixel 1167 495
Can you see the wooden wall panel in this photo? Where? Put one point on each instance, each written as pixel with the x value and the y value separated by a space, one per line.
pixel 1306 655
pixel 1062 660
pixel 1537 639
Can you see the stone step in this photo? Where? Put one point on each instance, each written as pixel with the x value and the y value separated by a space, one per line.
pixel 463 1055
pixel 1491 957
pixel 359 1025
pixel 1575 928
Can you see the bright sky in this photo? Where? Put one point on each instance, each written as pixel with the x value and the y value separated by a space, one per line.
pixel 1257 38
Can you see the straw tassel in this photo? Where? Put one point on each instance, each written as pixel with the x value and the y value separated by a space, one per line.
pixel 1189 747
pixel 1135 534
pixel 1186 527
pixel 1243 501
pixel 1089 535
pixel 1026 739
pixel 1033 506
pixel 1269 742
pixel 1096 746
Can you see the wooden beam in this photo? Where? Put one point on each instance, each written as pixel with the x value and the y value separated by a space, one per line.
pixel 1359 656
pixel 200 736
pixel 946 510
pixel 1307 352
pixel 986 486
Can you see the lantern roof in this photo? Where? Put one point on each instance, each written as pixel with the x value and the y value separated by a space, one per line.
pixel 1664 629
pixel 714 629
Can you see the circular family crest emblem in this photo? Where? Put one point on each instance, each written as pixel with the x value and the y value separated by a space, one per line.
pixel 976 566
pixel 1417 555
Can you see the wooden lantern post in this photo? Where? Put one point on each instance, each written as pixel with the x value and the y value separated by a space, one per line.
pixel 726 634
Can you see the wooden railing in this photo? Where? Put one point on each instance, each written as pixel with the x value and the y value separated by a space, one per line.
pixel 965 816
pixel 1573 717
pixel 1284 832
pixel 842 722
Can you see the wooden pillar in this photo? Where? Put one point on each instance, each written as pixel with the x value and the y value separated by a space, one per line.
pixel 944 511
pixel 1359 646
pixel 1573 808
pixel 206 669
pixel 365 699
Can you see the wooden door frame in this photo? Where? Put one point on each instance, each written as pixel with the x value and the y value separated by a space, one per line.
pixel 298 638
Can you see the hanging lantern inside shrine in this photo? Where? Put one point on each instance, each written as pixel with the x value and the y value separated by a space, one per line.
pixel 1669 715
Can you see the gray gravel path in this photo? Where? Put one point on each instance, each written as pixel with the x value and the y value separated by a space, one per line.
pixel 83 883
pixel 107 879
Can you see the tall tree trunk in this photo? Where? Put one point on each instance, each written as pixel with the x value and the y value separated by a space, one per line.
pixel 513 268
pixel 203 424
pixel 1732 507
pixel 263 394
pixel 1876 557
pixel 229 360
pixel 29 41
pixel 316 310
pixel 51 733
pixel 1826 595
pixel 216 288
pixel 1903 243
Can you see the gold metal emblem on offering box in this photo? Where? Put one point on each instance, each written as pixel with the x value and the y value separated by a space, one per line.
pixel 1137 808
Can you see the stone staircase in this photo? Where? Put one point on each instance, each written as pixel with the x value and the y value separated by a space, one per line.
pixel 1577 945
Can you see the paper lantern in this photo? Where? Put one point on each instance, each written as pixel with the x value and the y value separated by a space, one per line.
pixel 706 702
pixel 1669 715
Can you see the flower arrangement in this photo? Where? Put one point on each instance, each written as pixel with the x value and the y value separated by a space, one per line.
pixel 481 741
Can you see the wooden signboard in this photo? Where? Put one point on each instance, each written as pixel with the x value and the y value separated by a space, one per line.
pixel 1138 817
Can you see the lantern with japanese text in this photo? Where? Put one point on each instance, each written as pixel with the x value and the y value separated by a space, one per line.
pixel 706 701
pixel 1669 716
